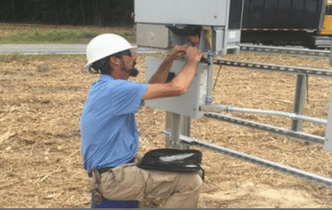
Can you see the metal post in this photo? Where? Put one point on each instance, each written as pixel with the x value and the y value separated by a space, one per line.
pixel 328 132
pixel 168 127
pixel 208 97
pixel 331 54
pixel 175 130
pixel 177 124
pixel 299 100
pixel 185 129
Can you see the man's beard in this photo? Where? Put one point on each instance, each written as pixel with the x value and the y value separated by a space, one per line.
pixel 133 72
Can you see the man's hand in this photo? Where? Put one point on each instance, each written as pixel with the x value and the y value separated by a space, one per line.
pixel 193 55
pixel 161 74
pixel 181 82
pixel 177 52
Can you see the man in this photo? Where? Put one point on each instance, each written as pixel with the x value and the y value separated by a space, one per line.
pixel 108 127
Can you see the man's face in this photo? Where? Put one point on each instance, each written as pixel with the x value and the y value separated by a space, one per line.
pixel 128 60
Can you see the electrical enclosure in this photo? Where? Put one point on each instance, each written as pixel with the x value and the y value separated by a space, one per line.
pixel 222 18
pixel 214 26
pixel 187 104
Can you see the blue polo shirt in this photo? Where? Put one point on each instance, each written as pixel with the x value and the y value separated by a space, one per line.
pixel 108 127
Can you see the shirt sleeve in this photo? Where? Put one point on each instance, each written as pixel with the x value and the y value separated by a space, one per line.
pixel 127 96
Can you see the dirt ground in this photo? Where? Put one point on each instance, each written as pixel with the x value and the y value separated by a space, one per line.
pixel 41 166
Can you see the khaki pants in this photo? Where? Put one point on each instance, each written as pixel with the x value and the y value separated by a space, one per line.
pixel 128 182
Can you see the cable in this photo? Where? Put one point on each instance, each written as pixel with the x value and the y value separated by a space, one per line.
pixel 307 77
pixel 215 82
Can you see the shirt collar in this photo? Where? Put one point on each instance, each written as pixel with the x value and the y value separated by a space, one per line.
pixel 105 77
pixel 108 77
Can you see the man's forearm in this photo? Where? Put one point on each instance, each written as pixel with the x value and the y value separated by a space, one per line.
pixel 186 76
pixel 162 73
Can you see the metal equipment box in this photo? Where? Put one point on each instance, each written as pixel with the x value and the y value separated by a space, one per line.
pixel 214 26
pixel 187 104
pixel 192 12
pixel 222 17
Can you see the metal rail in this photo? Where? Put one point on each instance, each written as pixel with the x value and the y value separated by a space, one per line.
pixel 283 50
pixel 266 127
pixel 277 68
pixel 295 133
pixel 256 160
pixel 293 116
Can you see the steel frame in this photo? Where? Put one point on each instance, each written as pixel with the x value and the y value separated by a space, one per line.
pixel 294 116
pixel 175 139
pixel 255 160
pixel 269 128
pixel 277 68
pixel 283 50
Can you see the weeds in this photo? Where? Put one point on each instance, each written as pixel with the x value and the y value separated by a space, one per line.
pixel 61 36
pixel 67 35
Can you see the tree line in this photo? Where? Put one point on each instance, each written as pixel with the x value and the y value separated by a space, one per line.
pixel 71 12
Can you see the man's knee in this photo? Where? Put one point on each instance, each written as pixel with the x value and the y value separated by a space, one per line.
pixel 191 182
pixel 198 181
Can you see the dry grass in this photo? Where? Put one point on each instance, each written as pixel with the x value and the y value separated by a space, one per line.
pixel 40 163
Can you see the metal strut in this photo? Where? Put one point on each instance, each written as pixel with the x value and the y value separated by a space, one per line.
pixel 283 50
pixel 256 160
pixel 269 128
pixel 293 116
pixel 278 68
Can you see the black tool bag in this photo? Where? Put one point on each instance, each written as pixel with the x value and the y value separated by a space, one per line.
pixel 174 160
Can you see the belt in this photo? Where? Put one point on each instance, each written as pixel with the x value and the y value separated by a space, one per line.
pixel 103 170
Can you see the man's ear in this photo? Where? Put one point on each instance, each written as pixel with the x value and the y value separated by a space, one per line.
pixel 115 61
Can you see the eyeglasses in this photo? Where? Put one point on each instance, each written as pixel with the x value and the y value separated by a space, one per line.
pixel 131 52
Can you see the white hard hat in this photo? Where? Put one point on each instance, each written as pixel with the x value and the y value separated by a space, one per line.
pixel 105 45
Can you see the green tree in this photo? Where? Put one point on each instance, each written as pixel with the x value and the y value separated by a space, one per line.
pixel 78 12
